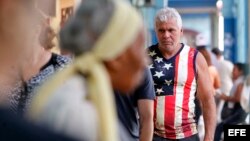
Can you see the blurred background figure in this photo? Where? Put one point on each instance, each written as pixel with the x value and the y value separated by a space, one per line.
pixel 225 69
pixel 245 98
pixel 201 42
pixel 213 72
pixel 78 101
pixel 232 112
pixel 201 46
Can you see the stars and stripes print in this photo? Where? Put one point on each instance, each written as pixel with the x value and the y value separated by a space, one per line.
pixel 175 88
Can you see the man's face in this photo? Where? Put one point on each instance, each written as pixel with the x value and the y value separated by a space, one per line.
pixel 168 34
pixel 131 66
pixel 236 72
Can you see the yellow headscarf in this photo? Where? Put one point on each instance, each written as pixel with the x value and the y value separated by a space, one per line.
pixel 121 31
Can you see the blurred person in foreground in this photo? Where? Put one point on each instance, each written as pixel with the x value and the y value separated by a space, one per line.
pixel 18 19
pixel 42 65
pixel 180 74
pixel 33 62
pixel 135 110
pixel 78 101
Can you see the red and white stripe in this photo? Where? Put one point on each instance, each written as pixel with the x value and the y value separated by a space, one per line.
pixel 174 114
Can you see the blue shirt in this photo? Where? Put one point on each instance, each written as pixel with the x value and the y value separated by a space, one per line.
pixel 127 104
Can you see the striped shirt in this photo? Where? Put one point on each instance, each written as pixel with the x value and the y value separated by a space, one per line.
pixel 175 87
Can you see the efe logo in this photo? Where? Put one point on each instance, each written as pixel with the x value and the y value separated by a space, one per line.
pixel 236 132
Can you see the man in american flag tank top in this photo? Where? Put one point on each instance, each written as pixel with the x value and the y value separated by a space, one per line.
pixel 180 74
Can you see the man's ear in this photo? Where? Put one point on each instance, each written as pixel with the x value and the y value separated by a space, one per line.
pixel 181 31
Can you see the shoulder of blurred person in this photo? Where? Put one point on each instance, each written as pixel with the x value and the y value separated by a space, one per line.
pixel 55 64
pixel 145 90
pixel 128 105
pixel 71 96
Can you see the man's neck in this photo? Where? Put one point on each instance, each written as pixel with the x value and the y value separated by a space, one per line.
pixel 170 53
pixel 34 62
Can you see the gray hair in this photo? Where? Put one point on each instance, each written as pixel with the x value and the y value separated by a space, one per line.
pixel 82 30
pixel 167 13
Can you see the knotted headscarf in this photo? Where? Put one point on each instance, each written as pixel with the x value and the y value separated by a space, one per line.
pixel 121 31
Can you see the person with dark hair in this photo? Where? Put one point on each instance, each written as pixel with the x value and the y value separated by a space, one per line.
pixel 217 51
pixel 232 112
pixel 78 101
pixel 180 74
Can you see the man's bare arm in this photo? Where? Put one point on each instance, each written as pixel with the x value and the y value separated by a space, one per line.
pixel 205 93
pixel 145 108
